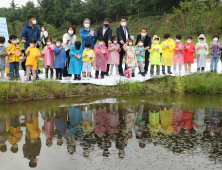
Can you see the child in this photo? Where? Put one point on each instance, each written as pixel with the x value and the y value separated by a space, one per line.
pixel 2 57
pixel 113 59
pixel 60 58
pixel 167 57
pixel 13 51
pixel 7 67
pixel 189 49
pixel 215 47
pixel 100 62
pixel 155 52
pixel 139 55
pixel 130 58
pixel 48 55
pixel 75 65
pixel 178 54
pixel 202 52
pixel 33 54
pixel 87 56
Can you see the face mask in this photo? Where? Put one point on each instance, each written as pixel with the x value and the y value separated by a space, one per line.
pixel 123 24
pixel 177 40
pixel 168 40
pixel 48 43
pixel 14 42
pixel 87 48
pixel 32 45
pixel 201 41
pixel 215 39
pixel 156 41
pixel 70 32
pixel 143 34
pixel 100 43
pixel 115 42
pixel 106 25
pixel 130 43
pixel 140 44
pixel 86 25
pixel 33 22
pixel 1 45
pixel 43 29
pixel 189 42
pixel 58 44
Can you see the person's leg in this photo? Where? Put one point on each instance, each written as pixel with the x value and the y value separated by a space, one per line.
pixel 2 74
pixel 107 70
pixel 174 67
pixel 97 74
pixel 65 71
pixel 23 65
pixel 120 63
pixel 33 73
pixel 163 68
pixel 189 66
pixel 185 66
pixel 111 69
pixel 216 63
pixel 89 69
pixel 102 74
pixel 83 69
pixel 51 72
pixel 28 69
pixel 152 69
pixel 17 70
pixel 117 69
pixel 57 73
pixel 46 72
pixel 211 63
pixel 12 68
pixel 147 54
pixel 37 71
pixel 168 69
pixel 70 75
pixel 180 68
pixel 157 69
pixel 60 73
pixel 140 64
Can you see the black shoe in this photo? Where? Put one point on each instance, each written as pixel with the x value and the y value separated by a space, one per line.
pixel 75 78
pixel 37 78
pixel 133 74
pixel 151 75
pixel 79 78
pixel 106 74
pixel 169 72
pixel 198 69
pixel 30 79
pixel 163 72
pixel 121 74
pixel 143 74
pixel 139 72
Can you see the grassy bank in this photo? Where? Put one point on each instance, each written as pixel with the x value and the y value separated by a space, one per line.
pixel 206 83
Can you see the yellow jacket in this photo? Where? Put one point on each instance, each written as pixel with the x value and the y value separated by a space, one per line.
pixel 166 121
pixel 15 134
pixel 86 58
pixel 31 58
pixel 167 55
pixel 33 130
pixel 11 48
pixel 87 126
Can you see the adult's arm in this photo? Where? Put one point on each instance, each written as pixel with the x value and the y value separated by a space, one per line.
pixel 97 36
pixel 119 35
pixel 82 35
pixel 38 35
pixel 110 34
pixel 137 39
pixel 23 33
pixel 149 41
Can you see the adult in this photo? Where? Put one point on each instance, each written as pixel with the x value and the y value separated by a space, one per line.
pixel 106 32
pixel 122 34
pixel 69 39
pixel 43 36
pixel 147 44
pixel 30 31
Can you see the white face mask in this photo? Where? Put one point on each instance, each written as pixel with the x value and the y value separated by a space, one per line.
pixel 123 24
pixel 43 29
pixel 130 43
pixel 189 42
pixel 168 40
pixel 32 45
pixel 143 34
pixel 140 44
pixel 215 39
pixel 34 22
pixel 115 42
pixel 48 43
pixel 177 40
pixel 201 41
pixel 156 41
pixel 14 42
pixel 1 45
pixel 58 44
pixel 86 25
pixel 101 43
pixel 70 32
pixel 87 48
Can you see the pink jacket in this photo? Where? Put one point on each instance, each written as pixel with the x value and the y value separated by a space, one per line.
pixel 113 53
pixel 49 56
pixel 178 54
pixel 100 60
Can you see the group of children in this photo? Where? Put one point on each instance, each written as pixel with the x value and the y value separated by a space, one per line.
pixel 169 53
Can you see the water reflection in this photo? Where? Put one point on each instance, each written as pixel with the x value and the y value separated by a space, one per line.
pixel 113 128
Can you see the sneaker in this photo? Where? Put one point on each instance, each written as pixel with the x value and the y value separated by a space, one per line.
pixel 121 74
pixel 139 72
pixel 106 74
pixel 163 72
pixel 75 78
pixel 79 78
pixel 125 73
pixel 170 72
pixel 133 74
pixel 143 74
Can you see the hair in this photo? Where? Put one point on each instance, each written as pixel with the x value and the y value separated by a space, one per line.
pixel 140 40
pixel 167 35
pixel 114 37
pixel 143 28
pixel 216 35
pixel 88 44
pixel 86 20
pixel 60 40
pixel 34 41
pixel 73 27
pixel 123 18
pixel 3 148
pixel 101 38
pixel 179 36
pixel 14 150
pixel 107 19
pixel 9 42
pixel 46 39
pixel 32 165
pixel 44 27
pixel 12 37
pixel 190 37
pixel 30 16
pixel 2 39
pixel 130 39
pixel 78 43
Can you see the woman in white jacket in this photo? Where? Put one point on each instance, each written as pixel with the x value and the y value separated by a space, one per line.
pixel 69 39
pixel 43 36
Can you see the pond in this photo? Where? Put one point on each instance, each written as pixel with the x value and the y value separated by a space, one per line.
pixel 139 132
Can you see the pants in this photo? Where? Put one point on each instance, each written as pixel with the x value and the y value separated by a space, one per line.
pixel 122 53
pixel 47 71
pixel 23 65
pixel 140 64
pixel 132 70
pixel 187 64
pixel 65 71
pixel 59 72
pixel 76 75
pixel 97 74
pixel 2 74
pixel 30 68
pixel 14 67
pixel 214 63
pixel 147 56
pixel 168 68
pixel 157 69
pixel 107 69
pixel 177 65
pixel 111 69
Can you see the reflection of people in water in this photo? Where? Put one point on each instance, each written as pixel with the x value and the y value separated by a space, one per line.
pixel 48 129
pixel 177 114
pixel 87 124
pixel 14 132
pixel 113 120
pixel 32 127
pixel 187 123
pixel 75 115
pixel 70 142
pixel 213 118
pixel 199 124
pixel 100 122
pixel 166 121
pixel 3 134
pixel 60 125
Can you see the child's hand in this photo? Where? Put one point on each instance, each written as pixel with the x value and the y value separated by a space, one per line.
pixel 28 51
pixel 192 51
pixel 60 48
pixel 12 53
pixel 49 47
pixel 98 51
pixel 154 49
pixel 65 64
pixel 86 55
pixel 157 49
pixel 199 47
pixel 1 53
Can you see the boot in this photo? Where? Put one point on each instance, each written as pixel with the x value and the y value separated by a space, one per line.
pixel 163 72
pixel 169 72
pixel 133 74
pixel 143 74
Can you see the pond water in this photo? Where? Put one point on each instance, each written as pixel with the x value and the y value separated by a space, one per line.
pixel 140 132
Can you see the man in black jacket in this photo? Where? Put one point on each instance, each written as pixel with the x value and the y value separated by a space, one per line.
pixel 106 32
pixel 147 44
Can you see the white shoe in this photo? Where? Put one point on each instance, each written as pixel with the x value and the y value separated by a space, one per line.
pixel 83 78
pixel 110 75
pixel 118 75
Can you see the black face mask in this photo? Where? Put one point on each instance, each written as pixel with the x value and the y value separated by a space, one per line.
pixel 106 25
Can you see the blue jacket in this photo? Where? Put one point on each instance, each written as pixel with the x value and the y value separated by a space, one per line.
pixel 140 56
pixel 29 33
pixel 75 64
pixel 83 34
pixel 60 57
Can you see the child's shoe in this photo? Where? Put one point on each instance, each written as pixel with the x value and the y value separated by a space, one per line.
pixel 110 75
pixel 128 75
pixel 169 72
pixel 75 78
pixel 125 73
pixel 117 75
pixel 139 72
pixel 79 78
pixel 133 74
pixel 163 72
pixel 143 74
